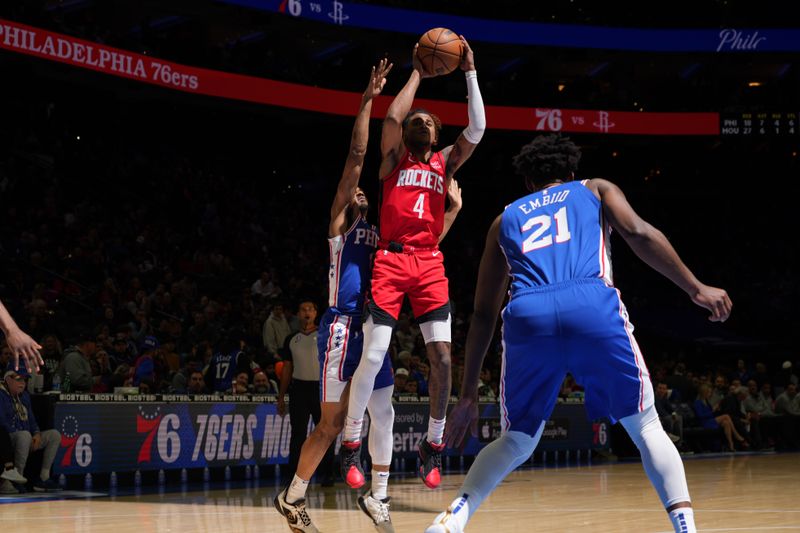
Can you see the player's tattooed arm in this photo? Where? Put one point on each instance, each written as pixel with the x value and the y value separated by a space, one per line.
pixel 457 154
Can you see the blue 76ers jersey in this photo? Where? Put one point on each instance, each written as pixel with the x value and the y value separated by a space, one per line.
pixel 223 368
pixel 554 235
pixel 351 267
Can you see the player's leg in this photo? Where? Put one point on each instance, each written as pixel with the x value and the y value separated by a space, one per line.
pixel 333 339
pixel 605 357
pixel 493 463
pixel 531 376
pixel 430 302
pixel 436 333
pixel 375 502
pixel 663 466
pixel 387 294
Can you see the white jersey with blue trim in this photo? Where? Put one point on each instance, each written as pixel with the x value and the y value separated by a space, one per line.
pixel 555 235
pixel 351 267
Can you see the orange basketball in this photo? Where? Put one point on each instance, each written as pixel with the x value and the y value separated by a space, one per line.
pixel 440 51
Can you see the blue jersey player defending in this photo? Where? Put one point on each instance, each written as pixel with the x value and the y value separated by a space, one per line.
pixel 352 242
pixel 564 315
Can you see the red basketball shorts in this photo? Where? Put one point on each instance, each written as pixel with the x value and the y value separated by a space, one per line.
pixel 420 276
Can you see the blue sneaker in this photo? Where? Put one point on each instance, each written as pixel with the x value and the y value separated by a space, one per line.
pixel 46 486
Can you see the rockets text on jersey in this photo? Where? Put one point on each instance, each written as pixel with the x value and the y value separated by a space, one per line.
pixel 412 210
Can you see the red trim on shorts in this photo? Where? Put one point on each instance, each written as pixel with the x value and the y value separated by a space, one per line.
pixel 344 346
pixel 636 352
pixel 327 356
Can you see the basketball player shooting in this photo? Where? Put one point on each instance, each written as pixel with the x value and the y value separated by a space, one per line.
pixel 415 180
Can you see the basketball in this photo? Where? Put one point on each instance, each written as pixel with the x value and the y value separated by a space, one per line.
pixel 440 51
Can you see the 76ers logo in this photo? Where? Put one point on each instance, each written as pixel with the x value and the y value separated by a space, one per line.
pixel 81 445
pixel 154 425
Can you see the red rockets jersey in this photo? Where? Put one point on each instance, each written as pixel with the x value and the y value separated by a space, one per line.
pixel 412 211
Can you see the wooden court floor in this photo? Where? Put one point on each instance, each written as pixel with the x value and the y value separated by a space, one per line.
pixel 730 493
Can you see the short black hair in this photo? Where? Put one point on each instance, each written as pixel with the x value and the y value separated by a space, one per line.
pixel 547 157
pixel 308 301
pixel 437 122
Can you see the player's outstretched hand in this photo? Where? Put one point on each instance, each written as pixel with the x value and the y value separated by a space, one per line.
pixel 377 78
pixel 463 416
pixel 468 61
pixel 454 195
pixel 24 347
pixel 417 64
pixel 715 300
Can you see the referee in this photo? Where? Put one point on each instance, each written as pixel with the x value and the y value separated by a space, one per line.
pixel 300 377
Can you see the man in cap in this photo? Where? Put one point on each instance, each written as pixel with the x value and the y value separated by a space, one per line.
pixel 16 417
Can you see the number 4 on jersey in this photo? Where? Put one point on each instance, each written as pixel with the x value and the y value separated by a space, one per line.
pixel 540 225
pixel 419 206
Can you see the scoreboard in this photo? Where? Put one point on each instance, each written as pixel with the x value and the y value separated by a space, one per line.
pixel 759 124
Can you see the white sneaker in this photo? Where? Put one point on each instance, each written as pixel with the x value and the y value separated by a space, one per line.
pixel 378 511
pixel 295 514
pixel 12 475
pixel 453 520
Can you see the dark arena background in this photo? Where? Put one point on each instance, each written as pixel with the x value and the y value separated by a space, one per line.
pixel 166 177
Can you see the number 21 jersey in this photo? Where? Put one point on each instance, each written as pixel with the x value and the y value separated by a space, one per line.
pixel 555 235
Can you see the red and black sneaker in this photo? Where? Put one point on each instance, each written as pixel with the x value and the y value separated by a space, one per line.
pixel 431 468
pixel 350 457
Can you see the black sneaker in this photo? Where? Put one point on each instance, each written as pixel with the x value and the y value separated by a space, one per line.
pixel 350 457
pixel 431 468
pixel 46 486
pixel 295 514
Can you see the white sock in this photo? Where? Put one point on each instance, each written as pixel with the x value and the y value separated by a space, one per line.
pixel 380 484
pixel 297 489
pixel 436 430
pixel 352 429
pixel 44 474
pixel 682 520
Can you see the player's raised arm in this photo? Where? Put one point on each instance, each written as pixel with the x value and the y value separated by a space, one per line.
pixel 652 247
pixel 459 152
pixel 392 132
pixel 358 149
